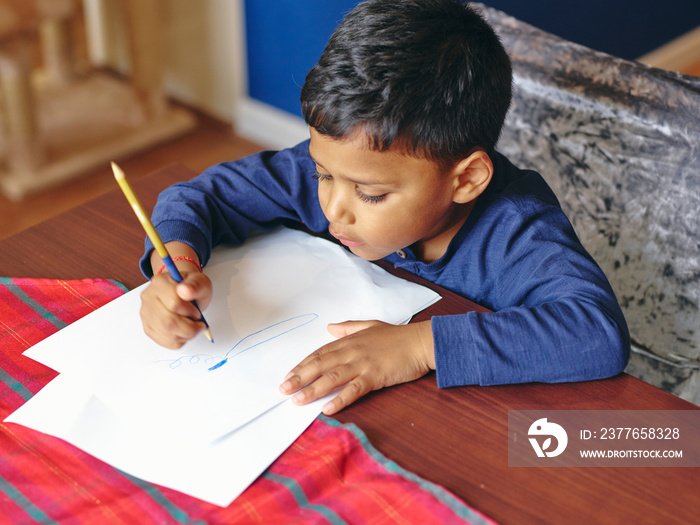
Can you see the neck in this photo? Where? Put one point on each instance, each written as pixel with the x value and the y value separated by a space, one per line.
pixel 433 247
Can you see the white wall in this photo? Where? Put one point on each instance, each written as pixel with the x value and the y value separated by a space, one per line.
pixel 205 65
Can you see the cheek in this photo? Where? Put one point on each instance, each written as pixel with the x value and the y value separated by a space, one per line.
pixel 388 223
pixel 322 197
pixel 410 222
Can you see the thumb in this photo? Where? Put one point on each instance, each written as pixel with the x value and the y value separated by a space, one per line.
pixel 349 327
pixel 193 287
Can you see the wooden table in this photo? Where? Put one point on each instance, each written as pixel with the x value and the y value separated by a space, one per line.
pixel 456 437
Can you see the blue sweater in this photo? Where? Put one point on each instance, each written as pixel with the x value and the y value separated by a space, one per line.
pixel 555 315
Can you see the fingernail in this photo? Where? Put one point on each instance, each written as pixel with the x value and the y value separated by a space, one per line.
pixel 327 408
pixel 286 386
pixel 289 375
pixel 299 397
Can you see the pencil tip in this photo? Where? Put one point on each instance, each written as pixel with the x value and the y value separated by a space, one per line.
pixel 118 172
pixel 207 333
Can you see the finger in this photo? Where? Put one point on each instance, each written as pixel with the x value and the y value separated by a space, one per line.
pixel 354 390
pixel 167 296
pixel 349 327
pixel 316 360
pixel 170 330
pixel 161 323
pixel 163 338
pixel 195 287
pixel 166 340
pixel 311 368
pixel 329 381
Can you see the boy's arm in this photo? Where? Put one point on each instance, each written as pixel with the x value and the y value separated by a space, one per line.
pixel 223 204
pixel 556 342
pixel 228 201
pixel 562 341
pixel 555 317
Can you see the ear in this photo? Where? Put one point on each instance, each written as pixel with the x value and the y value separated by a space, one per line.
pixel 471 176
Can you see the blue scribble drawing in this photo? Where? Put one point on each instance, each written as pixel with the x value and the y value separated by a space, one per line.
pixel 268 334
pixel 189 359
pixel 271 332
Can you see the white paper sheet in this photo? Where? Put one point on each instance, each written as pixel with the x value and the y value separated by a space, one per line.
pixel 208 418
pixel 217 473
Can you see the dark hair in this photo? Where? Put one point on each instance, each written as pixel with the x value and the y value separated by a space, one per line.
pixel 429 75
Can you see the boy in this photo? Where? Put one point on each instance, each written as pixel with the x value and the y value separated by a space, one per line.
pixel 405 108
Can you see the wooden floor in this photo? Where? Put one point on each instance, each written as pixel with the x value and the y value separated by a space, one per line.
pixel 210 143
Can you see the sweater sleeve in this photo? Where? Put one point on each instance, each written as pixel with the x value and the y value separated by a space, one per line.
pixel 555 315
pixel 229 201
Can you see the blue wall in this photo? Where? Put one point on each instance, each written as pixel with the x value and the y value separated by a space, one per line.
pixel 286 37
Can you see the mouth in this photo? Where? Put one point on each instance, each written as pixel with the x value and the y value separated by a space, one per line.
pixel 345 241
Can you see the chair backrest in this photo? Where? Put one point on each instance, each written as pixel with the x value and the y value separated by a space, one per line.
pixel 619 143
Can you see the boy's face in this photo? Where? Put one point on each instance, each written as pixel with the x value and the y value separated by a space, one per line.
pixel 380 202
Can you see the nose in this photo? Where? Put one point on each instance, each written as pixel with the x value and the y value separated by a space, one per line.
pixel 335 205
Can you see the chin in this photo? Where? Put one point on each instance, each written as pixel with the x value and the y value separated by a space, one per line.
pixel 368 255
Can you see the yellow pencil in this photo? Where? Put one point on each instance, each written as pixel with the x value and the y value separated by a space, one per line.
pixel 153 236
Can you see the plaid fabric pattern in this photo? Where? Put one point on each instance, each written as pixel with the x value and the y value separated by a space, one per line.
pixel 331 474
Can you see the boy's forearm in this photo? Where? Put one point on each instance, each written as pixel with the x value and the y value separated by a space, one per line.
pixel 425 333
pixel 558 341
pixel 177 249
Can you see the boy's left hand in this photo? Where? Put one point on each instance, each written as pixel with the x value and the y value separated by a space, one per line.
pixel 368 355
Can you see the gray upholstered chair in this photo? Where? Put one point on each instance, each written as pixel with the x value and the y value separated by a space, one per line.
pixel 619 142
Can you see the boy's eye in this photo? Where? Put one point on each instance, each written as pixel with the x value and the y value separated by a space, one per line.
pixel 372 199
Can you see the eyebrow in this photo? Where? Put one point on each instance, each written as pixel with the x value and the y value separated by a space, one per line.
pixel 358 182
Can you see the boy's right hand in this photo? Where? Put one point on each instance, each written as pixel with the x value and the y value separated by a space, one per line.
pixel 167 313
